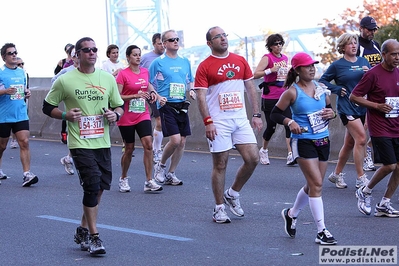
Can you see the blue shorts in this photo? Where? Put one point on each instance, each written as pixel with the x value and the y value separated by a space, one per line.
pixel 174 122
pixel 94 167
pixel 311 148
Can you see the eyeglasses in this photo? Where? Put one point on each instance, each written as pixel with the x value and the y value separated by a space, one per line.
pixel 278 43
pixel 89 49
pixel 12 53
pixel 21 64
pixel 224 35
pixel 172 40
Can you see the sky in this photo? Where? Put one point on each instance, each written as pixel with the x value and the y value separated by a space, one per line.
pixel 41 28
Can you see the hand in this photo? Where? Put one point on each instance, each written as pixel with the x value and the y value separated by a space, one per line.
pixel 111 116
pixel 193 94
pixel 27 93
pixel 257 123
pixel 295 128
pixel 383 107
pixel 210 131
pixel 162 100
pixel 73 114
pixel 328 113
pixel 343 92
pixel 11 91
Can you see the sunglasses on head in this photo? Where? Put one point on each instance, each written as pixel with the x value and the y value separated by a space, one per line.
pixel 89 49
pixel 12 53
pixel 173 40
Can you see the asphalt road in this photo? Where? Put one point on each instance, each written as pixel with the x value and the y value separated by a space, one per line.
pixel 174 227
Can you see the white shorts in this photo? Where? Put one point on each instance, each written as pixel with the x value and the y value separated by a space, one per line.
pixel 231 132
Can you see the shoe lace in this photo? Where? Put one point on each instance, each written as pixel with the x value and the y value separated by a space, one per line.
pixel 152 184
pixel 96 241
pixel 293 223
pixel 340 178
pixel 327 233
pixel 389 207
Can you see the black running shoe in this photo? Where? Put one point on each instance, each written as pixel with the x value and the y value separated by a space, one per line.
pixel 290 223
pixel 81 237
pixel 325 238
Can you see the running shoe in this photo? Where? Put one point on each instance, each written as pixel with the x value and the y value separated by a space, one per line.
pixel 325 238
pixel 363 201
pixel 171 179
pixel 64 137
pixel 362 181
pixel 152 186
pixel 159 172
pixel 13 144
pixel 368 164
pixel 233 203
pixel 220 216
pixel 3 175
pixel 157 156
pixel 124 184
pixel 29 179
pixel 290 159
pixel 67 162
pixel 96 245
pixel 385 210
pixel 289 223
pixel 338 180
pixel 81 238
pixel 264 156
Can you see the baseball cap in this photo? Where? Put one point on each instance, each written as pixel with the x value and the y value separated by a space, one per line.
pixel 368 23
pixel 302 59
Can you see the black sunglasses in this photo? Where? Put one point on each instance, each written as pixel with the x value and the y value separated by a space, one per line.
pixel 12 53
pixel 89 49
pixel 21 64
pixel 173 40
pixel 278 43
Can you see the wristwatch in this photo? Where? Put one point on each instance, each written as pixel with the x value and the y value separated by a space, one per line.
pixel 118 116
pixel 258 115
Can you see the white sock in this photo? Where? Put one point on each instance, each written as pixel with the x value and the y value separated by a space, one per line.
pixel 384 200
pixel 317 209
pixel 302 199
pixel 233 193
pixel 366 189
pixel 157 142
pixel 219 206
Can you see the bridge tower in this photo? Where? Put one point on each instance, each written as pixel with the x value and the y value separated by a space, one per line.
pixel 134 22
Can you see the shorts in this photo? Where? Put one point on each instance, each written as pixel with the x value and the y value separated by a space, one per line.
pixel 143 129
pixel 346 118
pixel 386 150
pixel 6 128
pixel 231 132
pixel 174 122
pixel 311 148
pixel 93 167
pixel 154 110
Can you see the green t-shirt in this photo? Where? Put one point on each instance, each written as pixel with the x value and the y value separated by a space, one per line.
pixel 91 93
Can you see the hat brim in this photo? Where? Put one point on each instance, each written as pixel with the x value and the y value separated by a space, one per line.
pixel 308 63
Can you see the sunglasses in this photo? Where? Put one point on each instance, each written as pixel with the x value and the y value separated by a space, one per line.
pixel 89 49
pixel 278 43
pixel 173 40
pixel 219 36
pixel 21 64
pixel 12 53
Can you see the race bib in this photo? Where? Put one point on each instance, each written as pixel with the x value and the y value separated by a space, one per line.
pixel 394 103
pixel 282 73
pixel 137 105
pixel 91 126
pixel 230 101
pixel 177 91
pixel 19 94
pixel 317 123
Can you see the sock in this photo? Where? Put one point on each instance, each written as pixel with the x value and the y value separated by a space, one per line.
pixel 384 200
pixel 233 193
pixel 366 189
pixel 317 209
pixel 157 142
pixel 219 206
pixel 25 173
pixel 302 199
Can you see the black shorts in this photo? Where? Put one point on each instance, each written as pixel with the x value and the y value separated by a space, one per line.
pixel 346 118
pixel 94 167
pixel 386 150
pixel 174 122
pixel 154 109
pixel 311 148
pixel 143 129
pixel 6 128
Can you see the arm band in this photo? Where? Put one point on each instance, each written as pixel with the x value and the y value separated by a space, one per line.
pixel 208 120
pixel 47 108
pixel 277 115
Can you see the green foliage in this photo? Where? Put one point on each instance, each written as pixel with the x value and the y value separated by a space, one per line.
pixel 390 31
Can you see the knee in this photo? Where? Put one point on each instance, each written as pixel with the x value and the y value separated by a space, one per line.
pixel 90 195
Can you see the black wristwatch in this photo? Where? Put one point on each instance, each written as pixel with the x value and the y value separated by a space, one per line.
pixel 118 116
pixel 258 115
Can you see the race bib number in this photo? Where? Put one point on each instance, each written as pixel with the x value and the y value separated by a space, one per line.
pixel 230 101
pixel 282 73
pixel 91 126
pixel 317 123
pixel 19 94
pixel 137 106
pixel 394 103
pixel 177 90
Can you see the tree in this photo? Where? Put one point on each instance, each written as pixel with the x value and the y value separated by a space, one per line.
pixel 384 12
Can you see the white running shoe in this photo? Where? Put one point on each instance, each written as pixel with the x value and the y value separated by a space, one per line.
pixel 220 216
pixel 264 156
pixel 13 144
pixel 171 179
pixel 124 185
pixel 338 180
pixel 152 186
pixel 67 162
pixel 233 203
pixel 290 159
pixel 157 156
pixel 362 181
pixel 159 173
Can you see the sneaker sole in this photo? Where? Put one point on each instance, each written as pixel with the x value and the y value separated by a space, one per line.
pixel 222 222
pixel 153 190
pixel 31 182
pixel 124 191
pixel 382 214
pixel 318 241
pixel 174 184
pixel 98 252
pixel 285 224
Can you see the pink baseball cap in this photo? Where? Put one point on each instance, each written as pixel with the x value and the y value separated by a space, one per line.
pixel 302 59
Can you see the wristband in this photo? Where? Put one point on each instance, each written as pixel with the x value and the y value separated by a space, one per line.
pixel 63 116
pixel 208 120
pixel 291 121
pixel 268 71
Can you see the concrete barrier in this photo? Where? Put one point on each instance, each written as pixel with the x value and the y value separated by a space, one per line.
pixel 42 126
